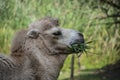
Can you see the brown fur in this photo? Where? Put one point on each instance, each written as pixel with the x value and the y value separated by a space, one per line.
pixel 34 58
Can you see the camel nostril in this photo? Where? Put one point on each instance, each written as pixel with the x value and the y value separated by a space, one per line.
pixel 81 40
pixel 81 37
pixel 80 34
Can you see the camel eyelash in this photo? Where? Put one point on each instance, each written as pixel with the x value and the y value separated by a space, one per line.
pixel 58 33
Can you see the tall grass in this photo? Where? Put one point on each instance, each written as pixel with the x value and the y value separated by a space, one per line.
pixel 75 14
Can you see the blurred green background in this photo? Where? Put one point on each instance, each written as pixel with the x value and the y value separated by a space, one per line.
pixel 98 20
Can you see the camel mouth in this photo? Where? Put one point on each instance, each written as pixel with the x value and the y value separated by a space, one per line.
pixel 80 47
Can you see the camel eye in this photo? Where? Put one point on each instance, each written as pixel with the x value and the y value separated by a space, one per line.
pixel 58 33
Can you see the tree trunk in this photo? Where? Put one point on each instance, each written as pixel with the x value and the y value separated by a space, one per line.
pixel 72 67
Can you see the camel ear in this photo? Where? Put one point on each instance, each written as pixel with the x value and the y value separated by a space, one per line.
pixel 33 33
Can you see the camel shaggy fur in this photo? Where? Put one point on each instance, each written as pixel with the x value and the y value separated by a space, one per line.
pixel 38 53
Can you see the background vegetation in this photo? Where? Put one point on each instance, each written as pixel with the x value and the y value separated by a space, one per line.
pixel 99 22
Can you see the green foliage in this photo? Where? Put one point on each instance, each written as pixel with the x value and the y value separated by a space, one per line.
pixel 80 48
pixel 82 15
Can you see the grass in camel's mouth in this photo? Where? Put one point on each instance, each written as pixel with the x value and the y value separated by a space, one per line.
pixel 80 48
